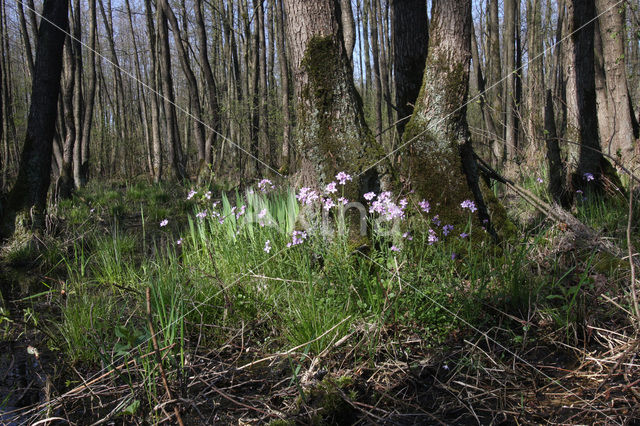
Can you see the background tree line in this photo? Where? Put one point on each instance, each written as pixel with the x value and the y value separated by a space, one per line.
pixel 171 89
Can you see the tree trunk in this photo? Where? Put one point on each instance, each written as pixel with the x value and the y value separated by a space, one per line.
pixel 65 180
pixel 582 99
pixel 174 148
pixel 78 100
pixel 331 128
pixel 348 28
pixel 620 139
pixel 377 81
pixel 535 83
pixel 155 102
pixel 556 166
pixel 410 39
pixel 210 81
pixel 27 200
pixel 511 10
pixel 192 84
pixel 494 79
pixel 440 164
pixel 285 165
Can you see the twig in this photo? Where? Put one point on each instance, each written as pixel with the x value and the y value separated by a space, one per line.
pixel 156 350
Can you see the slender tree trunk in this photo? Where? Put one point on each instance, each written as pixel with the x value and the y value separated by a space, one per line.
pixel 65 180
pixel 555 164
pixel 285 165
pixel 155 102
pixel 492 133
pixel 192 84
pixel 367 60
pixel 377 81
pixel 264 143
pixel 511 11
pixel 348 28
pixel 25 37
pixel 78 100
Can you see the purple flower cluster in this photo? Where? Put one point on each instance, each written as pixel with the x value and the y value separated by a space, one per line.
pixel 265 184
pixel 468 204
pixel 424 205
pixel 588 177
pixel 297 237
pixel 386 208
pixel 307 196
pixel 343 178
pixel 433 238
pixel 446 230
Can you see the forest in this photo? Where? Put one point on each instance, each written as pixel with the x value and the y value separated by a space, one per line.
pixel 283 212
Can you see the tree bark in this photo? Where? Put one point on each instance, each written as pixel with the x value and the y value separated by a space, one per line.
pixel 410 39
pixel 440 163
pixel 27 200
pixel 174 148
pixel 348 28
pixel 582 99
pixel 210 81
pixel 285 165
pixel 331 128
pixel 619 137
pixel 494 79
pixel 192 84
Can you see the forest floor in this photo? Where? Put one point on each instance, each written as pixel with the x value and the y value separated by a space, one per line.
pixel 253 326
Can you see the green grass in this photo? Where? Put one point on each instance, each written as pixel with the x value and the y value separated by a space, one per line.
pixel 211 276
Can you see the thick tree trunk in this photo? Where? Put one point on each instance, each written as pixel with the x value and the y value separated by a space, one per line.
pixel 556 166
pixel 410 39
pixel 174 148
pixel 210 81
pixel 620 139
pixel 582 99
pixel 27 200
pixel 332 133
pixel 494 79
pixel 440 164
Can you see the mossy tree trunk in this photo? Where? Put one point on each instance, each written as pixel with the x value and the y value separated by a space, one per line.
pixel 331 131
pixel 27 199
pixel 440 163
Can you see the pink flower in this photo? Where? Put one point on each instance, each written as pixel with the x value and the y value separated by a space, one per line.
pixel 369 196
pixel 343 178
pixel 331 188
pixel 165 222
pixel 267 246
pixel 424 205
pixel 394 248
pixel 328 203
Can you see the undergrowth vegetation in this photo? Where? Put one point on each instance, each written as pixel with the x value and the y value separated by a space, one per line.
pixel 279 264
